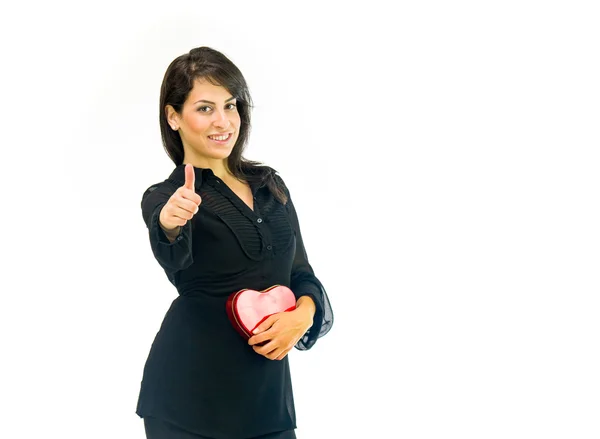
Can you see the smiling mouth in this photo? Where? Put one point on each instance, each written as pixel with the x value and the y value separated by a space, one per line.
pixel 221 138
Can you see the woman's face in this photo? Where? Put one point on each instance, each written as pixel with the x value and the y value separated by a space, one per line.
pixel 208 111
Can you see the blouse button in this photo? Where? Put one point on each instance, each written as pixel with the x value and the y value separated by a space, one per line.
pixel 259 220
pixel 269 247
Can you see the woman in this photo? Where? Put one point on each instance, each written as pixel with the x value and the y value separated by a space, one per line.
pixel 220 223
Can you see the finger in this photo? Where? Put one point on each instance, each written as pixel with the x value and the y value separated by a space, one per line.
pixel 265 325
pixel 282 356
pixel 180 203
pixel 274 354
pixel 170 216
pixel 183 214
pixel 189 194
pixel 175 216
pixel 190 176
pixel 256 339
pixel 260 338
pixel 175 221
pixel 178 216
pixel 267 349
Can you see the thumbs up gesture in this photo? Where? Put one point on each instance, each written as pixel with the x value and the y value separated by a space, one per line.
pixel 182 205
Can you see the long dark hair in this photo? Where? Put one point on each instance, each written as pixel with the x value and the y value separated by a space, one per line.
pixel 205 63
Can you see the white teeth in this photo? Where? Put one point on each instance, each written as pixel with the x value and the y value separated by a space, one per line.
pixel 219 137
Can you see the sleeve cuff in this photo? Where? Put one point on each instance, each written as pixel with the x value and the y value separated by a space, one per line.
pixel 172 256
pixel 308 288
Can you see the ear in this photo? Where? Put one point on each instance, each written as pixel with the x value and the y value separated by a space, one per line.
pixel 172 117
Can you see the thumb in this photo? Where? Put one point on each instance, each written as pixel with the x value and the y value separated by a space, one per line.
pixel 190 176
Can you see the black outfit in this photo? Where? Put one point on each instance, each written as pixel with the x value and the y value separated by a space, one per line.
pixel 158 429
pixel 201 375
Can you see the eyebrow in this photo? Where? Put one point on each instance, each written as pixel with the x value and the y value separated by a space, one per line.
pixel 209 102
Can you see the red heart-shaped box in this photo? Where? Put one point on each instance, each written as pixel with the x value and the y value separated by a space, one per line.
pixel 248 308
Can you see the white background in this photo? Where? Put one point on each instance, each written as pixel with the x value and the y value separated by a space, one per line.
pixel 443 160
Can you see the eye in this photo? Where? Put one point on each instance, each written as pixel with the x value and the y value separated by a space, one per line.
pixel 201 109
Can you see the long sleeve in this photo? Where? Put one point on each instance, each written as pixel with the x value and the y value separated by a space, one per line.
pixel 304 282
pixel 172 256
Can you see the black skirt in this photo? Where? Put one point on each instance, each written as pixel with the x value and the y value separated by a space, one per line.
pixel 159 429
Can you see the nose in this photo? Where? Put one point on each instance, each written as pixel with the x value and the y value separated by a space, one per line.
pixel 221 120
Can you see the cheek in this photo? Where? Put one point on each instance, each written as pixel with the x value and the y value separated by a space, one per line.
pixel 197 124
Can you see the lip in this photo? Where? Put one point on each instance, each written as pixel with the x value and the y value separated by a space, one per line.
pixel 220 134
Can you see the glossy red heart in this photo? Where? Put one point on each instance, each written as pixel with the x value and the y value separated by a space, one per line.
pixel 248 308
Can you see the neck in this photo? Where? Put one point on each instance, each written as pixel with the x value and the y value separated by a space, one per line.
pixel 218 166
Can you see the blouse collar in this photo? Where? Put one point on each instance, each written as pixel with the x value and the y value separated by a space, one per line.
pixel 201 174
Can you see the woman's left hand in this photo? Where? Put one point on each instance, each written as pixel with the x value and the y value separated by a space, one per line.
pixel 283 329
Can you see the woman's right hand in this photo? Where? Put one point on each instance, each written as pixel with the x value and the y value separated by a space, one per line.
pixel 182 205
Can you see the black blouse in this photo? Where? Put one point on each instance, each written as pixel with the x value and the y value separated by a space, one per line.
pixel 200 373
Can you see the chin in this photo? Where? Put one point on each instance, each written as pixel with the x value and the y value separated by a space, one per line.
pixel 220 155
